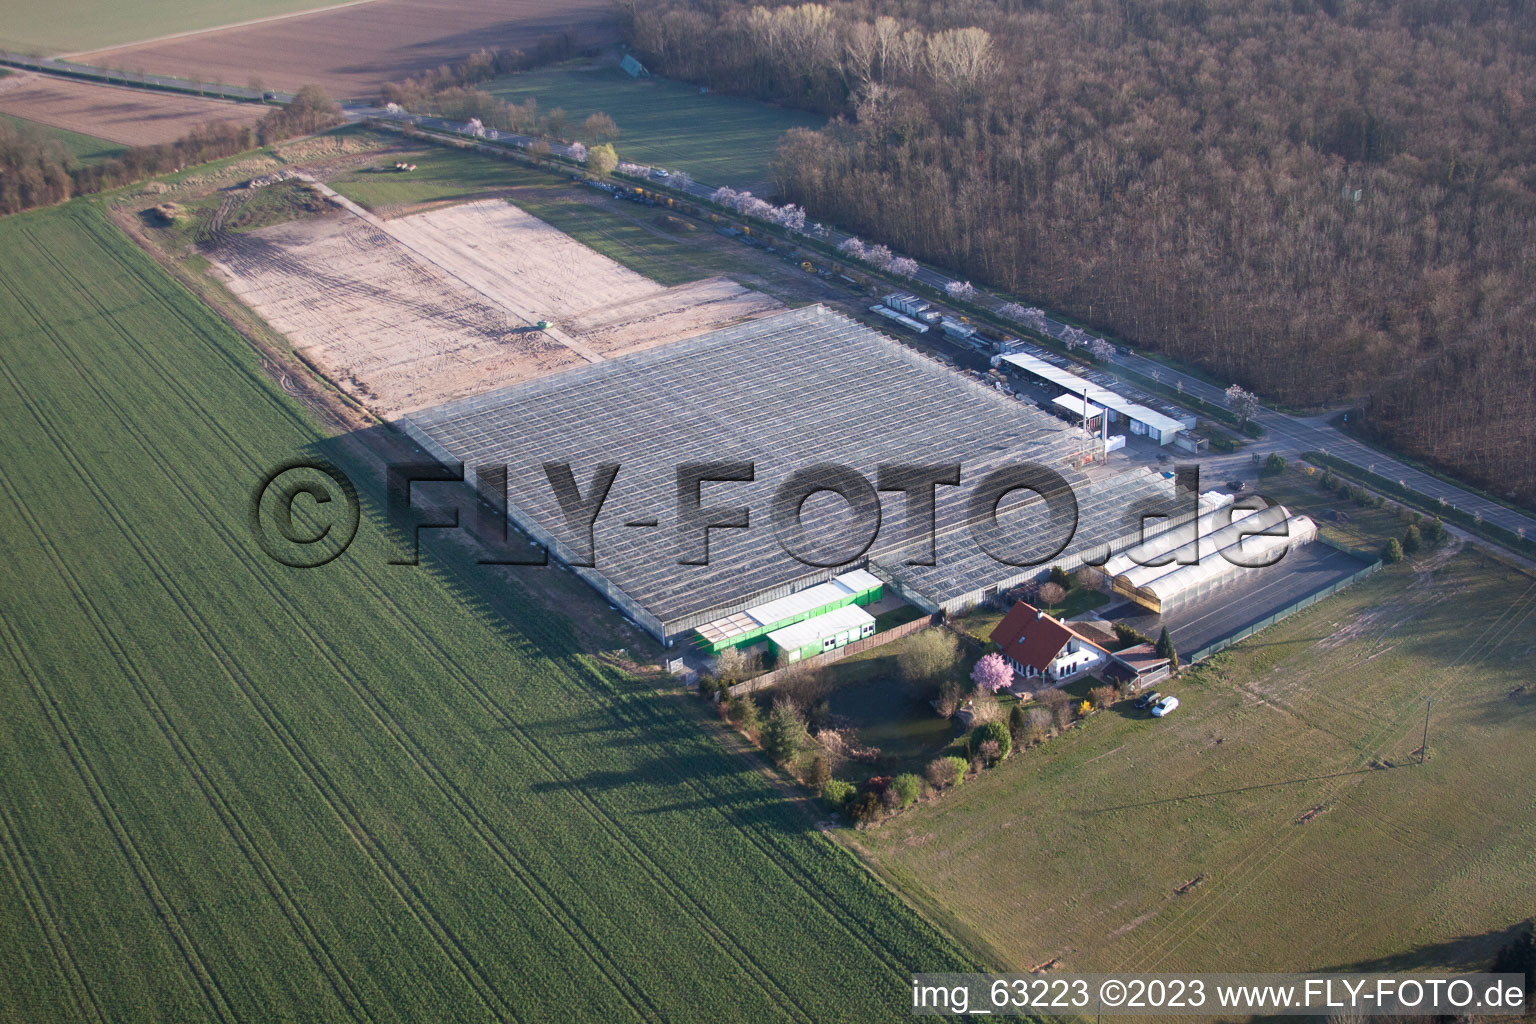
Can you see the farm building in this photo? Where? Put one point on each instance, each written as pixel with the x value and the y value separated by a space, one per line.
pixel 797 389
pixel 1041 646
pixel 1140 420
pixel 1138 666
pixel 826 632
pixel 746 627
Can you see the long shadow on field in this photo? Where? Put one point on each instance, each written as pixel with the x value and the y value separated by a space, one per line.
pixel 1463 953
pixel 652 741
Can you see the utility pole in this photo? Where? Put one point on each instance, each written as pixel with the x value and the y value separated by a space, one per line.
pixel 1424 746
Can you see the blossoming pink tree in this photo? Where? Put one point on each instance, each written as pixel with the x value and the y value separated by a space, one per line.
pixel 992 673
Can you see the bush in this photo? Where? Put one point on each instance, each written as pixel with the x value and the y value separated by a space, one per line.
pixel 819 773
pixel 1392 551
pixel 1052 594
pixel 907 787
pixel 1434 531
pixel 943 772
pixel 1413 541
pixel 1103 696
pixel 951 696
pixel 744 712
pixel 1017 722
pixel 985 708
pixel 991 732
pixel 1060 578
pixel 837 793
pixel 1037 725
pixel 1273 466
pixel 865 807
pixel 926 656
pixel 1130 635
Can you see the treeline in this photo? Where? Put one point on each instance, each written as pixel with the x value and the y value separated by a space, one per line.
pixel 480 66
pixel 1329 201
pixel 36 170
pixel 450 91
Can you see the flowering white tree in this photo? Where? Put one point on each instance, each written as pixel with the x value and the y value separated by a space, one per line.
pixel 1101 350
pixel 904 266
pixel 852 248
pixel 1242 403
pixel 578 152
pixel 878 256
pixel 725 196
pixel 1074 338
pixel 679 180
pixel 960 290
pixel 475 128
pixel 791 218
pixel 1012 311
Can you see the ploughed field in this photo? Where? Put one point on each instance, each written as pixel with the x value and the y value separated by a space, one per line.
pixel 422 309
pixel 231 790
pixel 133 117
pixel 353 50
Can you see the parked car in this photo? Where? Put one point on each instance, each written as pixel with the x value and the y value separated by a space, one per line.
pixel 1146 700
pixel 1236 486
pixel 1165 707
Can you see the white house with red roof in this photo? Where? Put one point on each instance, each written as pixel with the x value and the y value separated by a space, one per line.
pixel 1037 645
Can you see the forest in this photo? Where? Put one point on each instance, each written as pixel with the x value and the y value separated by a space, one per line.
pixel 1332 202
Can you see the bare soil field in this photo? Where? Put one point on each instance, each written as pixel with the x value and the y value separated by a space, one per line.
pixel 133 117
pixel 419 310
pixel 352 51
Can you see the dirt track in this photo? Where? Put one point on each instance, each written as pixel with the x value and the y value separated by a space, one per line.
pixel 133 117
pixel 416 311
pixel 352 51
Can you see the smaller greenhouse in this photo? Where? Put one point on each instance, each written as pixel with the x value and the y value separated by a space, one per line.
pixel 828 632
pixel 1217 568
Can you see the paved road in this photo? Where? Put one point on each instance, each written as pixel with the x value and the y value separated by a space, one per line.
pixel 1285 434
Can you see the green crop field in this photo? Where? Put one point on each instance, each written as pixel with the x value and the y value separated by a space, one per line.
pixel 85 148
pixel 1259 827
pixel 74 26
pixel 232 790
pixel 722 140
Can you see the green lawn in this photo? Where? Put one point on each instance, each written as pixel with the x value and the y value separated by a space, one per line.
pixel 73 26
pixel 1250 830
pixel 722 140
pixel 85 148
pixel 231 790
pixel 630 234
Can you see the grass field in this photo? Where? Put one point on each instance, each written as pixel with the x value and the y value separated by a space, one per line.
pixel 722 140
pixel 72 26
pixel 630 234
pixel 1224 837
pixel 85 148
pixel 237 791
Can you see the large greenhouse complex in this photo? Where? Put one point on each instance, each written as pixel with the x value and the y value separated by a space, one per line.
pixel 802 388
